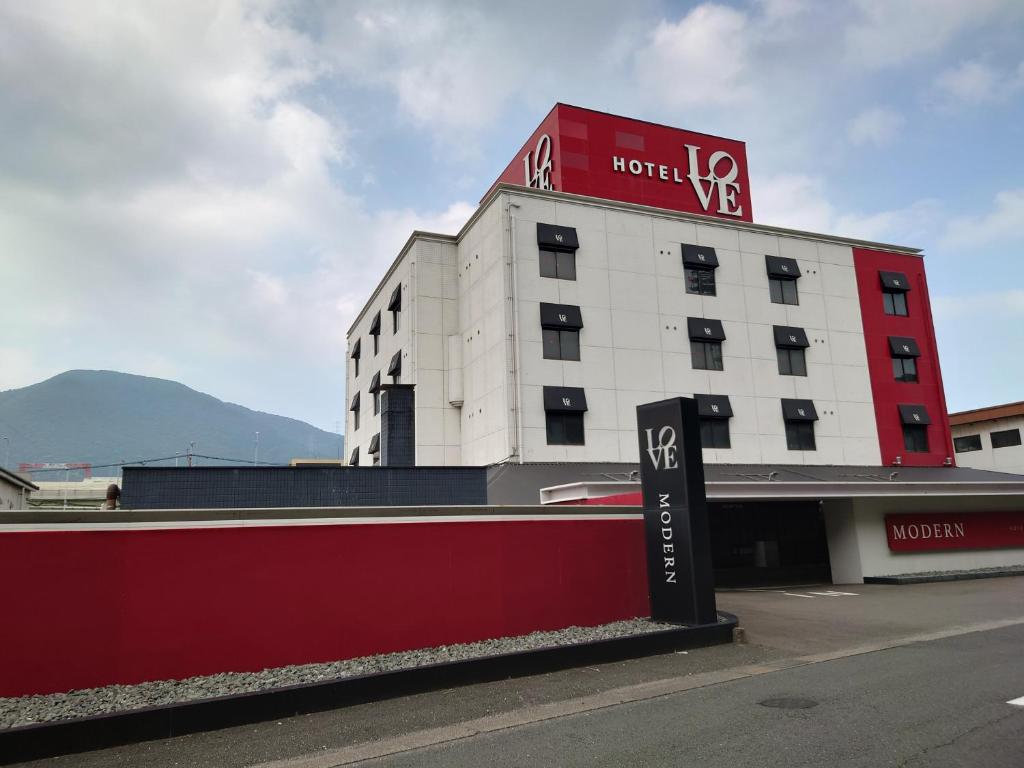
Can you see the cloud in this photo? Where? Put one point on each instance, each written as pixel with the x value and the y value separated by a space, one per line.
pixel 975 82
pixel 876 125
pixel 884 33
pixel 1003 223
pixel 710 45
pixel 1004 304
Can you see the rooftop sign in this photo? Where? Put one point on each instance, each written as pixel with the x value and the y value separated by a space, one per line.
pixel 617 158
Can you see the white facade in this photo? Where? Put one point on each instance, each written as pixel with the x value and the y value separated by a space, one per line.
pixel 1007 458
pixel 470 335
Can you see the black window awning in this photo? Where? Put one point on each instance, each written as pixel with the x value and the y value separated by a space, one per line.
pixel 354 405
pixel 713 406
pixel 374 444
pixel 375 325
pixel 702 329
pixel 798 410
pixel 395 302
pixel 565 399
pixel 357 349
pixel 904 346
pixel 560 316
pixel 699 256
pixel 353 459
pixel 780 267
pixel 374 383
pixel 555 238
pixel 894 282
pixel 789 337
pixel 914 414
pixel 395 366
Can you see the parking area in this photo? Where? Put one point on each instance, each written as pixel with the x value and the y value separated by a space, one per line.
pixel 816 618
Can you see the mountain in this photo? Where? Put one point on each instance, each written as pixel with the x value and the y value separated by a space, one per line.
pixel 106 417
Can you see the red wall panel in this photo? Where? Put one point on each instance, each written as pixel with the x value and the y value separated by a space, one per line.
pixel 886 391
pixel 955 530
pixel 584 143
pixel 90 608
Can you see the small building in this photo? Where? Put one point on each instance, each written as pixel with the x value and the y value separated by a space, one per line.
pixel 989 438
pixel 14 491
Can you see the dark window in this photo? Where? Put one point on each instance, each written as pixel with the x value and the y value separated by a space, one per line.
pixel 558 264
pixel 895 303
pixel 355 419
pixel 376 459
pixel 967 443
pixel 1005 438
pixel 376 343
pixel 357 366
pixel 357 352
pixel 915 438
pixel 714 433
pixel 375 332
pixel 394 320
pixel 376 402
pixel 792 362
pixel 800 436
pixel 707 355
pixel 565 428
pixel 904 368
pixel 374 389
pixel 783 291
pixel 700 281
pixel 561 345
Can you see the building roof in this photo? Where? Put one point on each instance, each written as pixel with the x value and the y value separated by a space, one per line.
pixel 990 413
pixel 521 483
pixel 17 480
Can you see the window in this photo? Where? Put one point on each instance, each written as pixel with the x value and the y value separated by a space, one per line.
pixel 563 409
pixel 700 281
pixel 706 355
pixel 799 416
pixel 354 407
pixel 561 345
pixel 714 433
pixel 374 449
pixel 561 324
pixel 558 247
pixel 783 291
pixel 782 276
pixel 558 264
pixel 792 362
pixel 967 443
pixel 904 352
pixel 699 264
pixel 395 367
pixel 1005 438
pixel 374 390
pixel 894 292
pixel 565 428
pixel 356 354
pixel 800 436
pixel 353 460
pixel 904 368
pixel 706 337
pixel 895 304
pixel 395 306
pixel 915 438
pixel 375 332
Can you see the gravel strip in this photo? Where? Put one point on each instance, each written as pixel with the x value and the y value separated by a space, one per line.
pixel 25 710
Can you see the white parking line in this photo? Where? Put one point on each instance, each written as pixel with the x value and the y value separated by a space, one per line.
pixel 796 594
pixel 1017 702
pixel 833 593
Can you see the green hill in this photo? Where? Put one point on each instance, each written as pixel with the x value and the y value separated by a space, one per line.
pixel 106 417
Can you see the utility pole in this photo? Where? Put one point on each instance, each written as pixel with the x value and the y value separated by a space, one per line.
pixel 191 448
pixel 256 450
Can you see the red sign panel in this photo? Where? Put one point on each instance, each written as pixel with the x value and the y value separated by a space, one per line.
pixel 958 530
pixel 617 158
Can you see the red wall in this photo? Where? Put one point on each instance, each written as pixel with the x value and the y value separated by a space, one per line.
pixel 584 143
pixel 886 391
pixel 91 608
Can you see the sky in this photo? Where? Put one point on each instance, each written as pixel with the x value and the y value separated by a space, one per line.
pixel 208 191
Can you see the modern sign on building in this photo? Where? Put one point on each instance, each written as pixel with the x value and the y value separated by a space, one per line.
pixel 679 572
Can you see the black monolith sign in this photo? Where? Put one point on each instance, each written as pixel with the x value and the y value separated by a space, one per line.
pixel 679 569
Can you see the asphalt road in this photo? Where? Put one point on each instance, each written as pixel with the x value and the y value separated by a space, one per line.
pixel 873 657
pixel 937 703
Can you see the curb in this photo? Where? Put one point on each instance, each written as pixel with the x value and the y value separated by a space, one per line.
pixel 33 742
pixel 925 578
